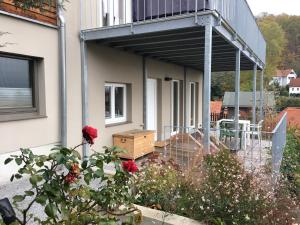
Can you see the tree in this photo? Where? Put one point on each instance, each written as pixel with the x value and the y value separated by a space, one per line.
pixel 276 42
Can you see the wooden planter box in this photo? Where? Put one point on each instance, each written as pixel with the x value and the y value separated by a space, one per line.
pixel 136 142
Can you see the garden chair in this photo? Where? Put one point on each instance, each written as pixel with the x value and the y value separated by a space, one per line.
pixel 256 131
pixel 227 132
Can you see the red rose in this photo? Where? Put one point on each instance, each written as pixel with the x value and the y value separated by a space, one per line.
pixel 70 178
pixel 130 166
pixel 89 134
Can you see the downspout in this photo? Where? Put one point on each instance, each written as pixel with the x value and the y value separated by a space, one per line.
pixel 62 72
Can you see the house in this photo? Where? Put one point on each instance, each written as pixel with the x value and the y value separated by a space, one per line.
pixel 294 87
pixel 293 118
pixel 118 66
pixel 216 111
pixel 216 107
pixel 284 77
pixel 246 103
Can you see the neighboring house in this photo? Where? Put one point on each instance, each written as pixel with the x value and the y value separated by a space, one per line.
pixel 129 66
pixel 246 103
pixel 294 87
pixel 216 111
pixel 293 116
pixel 216 107
pixel 284 77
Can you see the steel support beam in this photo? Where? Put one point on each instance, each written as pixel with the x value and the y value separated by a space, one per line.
pixel 254 95
pixel 145 76
pixel 185 124
pixel 261 106
pixel 84 93
pixel 237 97
pixel 207 88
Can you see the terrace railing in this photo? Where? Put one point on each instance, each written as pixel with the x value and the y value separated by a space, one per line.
pixel 278 145
pixel 258 151
pixel 236 14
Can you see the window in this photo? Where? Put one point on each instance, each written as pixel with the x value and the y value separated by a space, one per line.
pixel 20 97
pixel 192 104
pixel 115 103
pixel 292 89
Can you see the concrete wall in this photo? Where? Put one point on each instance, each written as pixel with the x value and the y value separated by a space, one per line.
pixel 31 39
pixel 74 107
pixel 104 65
pixel 110 65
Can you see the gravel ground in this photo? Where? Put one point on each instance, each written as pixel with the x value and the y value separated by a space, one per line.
pixel 9 190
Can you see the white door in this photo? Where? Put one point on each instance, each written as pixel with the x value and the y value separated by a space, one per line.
pixel 175 111
pixel 192 98
pixel 152 105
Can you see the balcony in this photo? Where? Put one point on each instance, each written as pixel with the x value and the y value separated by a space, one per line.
pixel 127 17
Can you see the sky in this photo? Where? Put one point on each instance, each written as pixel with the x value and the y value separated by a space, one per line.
pixel 291 7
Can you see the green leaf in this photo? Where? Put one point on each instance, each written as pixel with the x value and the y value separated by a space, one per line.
pixel 41 199
pixel 12 178
pixel 8 160
pixel 84 164
pixel 39 163
pixel 88 177
pixel 99 173
pixel 29 193
pixel 18 161
pixel 18 198
pixel 76 154
pixel 99 164
pixel 18 176
pixel 51 210
pixel 34 179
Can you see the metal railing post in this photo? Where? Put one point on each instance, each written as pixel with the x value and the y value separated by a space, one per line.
pixel 261 106
pixel 254 94
pixel 237 97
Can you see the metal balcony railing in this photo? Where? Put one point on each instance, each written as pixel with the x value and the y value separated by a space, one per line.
pixel 258 150
pixel 236 13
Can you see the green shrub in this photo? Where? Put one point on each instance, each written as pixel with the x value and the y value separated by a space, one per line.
pixel 284 102
pixel 229 193
pixel 219 193
pixel 290 167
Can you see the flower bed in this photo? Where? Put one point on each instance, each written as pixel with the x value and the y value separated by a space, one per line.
pixel 221 192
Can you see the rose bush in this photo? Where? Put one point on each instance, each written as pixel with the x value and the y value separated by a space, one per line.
pixel 72 191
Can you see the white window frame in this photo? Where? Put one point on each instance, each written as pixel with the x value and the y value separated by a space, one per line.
pixel 113 118
pixel 192 113
pixel 175 130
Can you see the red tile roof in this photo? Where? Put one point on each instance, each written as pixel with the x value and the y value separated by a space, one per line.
pixel 283 73
pixel 293 116
pixel 295 82
pixel 215 106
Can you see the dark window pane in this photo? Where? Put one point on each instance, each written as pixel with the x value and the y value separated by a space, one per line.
pixel 175 105
pixel 107 102
pixel 119 102
pixel 15 83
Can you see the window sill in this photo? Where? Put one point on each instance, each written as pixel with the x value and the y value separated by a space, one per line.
pixel 20 116
pixel 117 124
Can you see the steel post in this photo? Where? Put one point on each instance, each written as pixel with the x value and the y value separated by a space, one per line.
pixel 237 97
pixel 207 88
